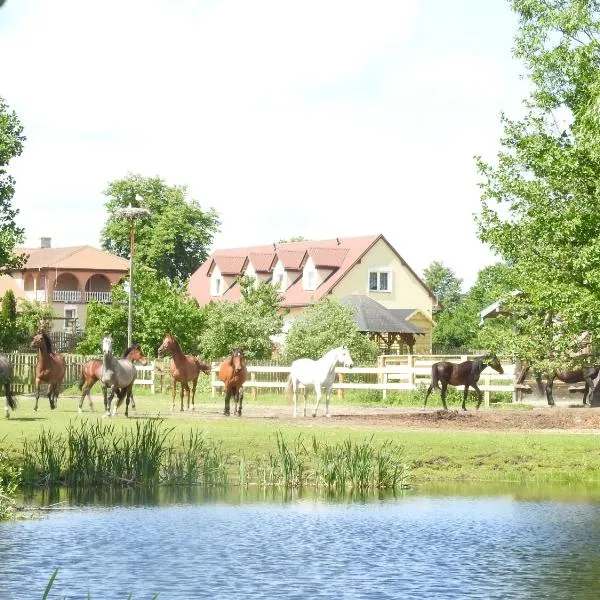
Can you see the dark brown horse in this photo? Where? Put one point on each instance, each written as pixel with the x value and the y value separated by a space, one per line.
pixel 50 368
pixel 586 374
pixel 91 372
pixel 233 373
pixel 465 373
pixel 184 368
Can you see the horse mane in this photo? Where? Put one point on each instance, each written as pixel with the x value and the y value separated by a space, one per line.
pixel 126 352
pixel 47 341
pixel 176 345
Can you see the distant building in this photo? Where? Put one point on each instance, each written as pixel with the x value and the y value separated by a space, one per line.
pixel 306 271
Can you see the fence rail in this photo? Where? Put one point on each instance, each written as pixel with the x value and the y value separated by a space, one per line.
pixel 398 372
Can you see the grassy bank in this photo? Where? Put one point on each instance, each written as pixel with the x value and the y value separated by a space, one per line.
pixel 249 442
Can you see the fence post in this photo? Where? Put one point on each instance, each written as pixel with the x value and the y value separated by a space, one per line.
pixel 410 361
pixel 253 381
pixel 487 393
pixel 340 390
pixel 152 389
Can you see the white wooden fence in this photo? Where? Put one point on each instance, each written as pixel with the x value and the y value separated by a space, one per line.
pixel 408 373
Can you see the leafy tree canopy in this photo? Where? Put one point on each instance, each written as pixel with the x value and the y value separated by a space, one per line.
pixel 444 283
pixel 247 323
pixel 540 204
pixel 323 326
pixel 159 307
pixel 175 238
pixel 11 145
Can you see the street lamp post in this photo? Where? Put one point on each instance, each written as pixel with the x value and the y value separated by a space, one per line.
pixel 131 213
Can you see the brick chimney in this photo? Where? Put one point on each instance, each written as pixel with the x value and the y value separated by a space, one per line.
pixel 46 242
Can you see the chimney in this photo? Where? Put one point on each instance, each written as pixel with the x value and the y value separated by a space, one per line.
pixel 46 242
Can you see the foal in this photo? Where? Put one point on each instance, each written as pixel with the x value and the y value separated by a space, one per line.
pixel 50 368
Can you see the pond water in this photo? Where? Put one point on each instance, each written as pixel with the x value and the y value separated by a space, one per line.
pixel 428 543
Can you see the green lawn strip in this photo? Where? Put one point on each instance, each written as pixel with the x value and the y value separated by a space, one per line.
pixel 434 455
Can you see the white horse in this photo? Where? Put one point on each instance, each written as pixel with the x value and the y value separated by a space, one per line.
pixel 6 374
pixel 317 373
pixel 117 376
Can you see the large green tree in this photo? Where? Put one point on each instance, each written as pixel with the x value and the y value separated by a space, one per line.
pixel 174 240
pixel 248 323
pixel 325 325
pixel 541 197
pixel 11 145
pixel 444 283
pixel 159 307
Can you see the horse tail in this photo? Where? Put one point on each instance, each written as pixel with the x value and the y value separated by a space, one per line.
pixel 434 377
pixel 201 366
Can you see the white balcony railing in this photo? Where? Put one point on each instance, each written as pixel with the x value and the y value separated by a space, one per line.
pixel 39 295
pixel 67 296
pixel 99 296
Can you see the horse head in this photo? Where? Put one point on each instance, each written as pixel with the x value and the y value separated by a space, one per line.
pixel 41 340
pixel 167 345
pixel 345 358
pixel 237 360
pixel 491 360
pixel 135 354
pixel 107 344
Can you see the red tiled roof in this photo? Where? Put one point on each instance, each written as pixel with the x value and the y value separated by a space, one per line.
pixel 262 261
pixel 328 257
pixel 73 257
pixel 230 265
pixel 291 259
pixel 344 253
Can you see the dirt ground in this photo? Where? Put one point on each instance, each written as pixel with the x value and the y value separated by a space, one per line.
pixel 558 419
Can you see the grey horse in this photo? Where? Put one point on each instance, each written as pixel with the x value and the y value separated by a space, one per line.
pixel 6 374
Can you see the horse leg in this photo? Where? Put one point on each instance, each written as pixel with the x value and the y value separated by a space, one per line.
pixel 194 384
pixel 84 391
pixel 240 394
pixel 129 396
pixel 318 394
pixel 37 394
pixel 444 388
pixel 549 396
pixel 227 397
pixel 305 393
pixel 294 396
pixel 429 390
pixel 173 391
pixel 327 395
pixel 8 401
pixel 182 385
pixel 187 394
pixel 50 390
pixel 236 399
pixel 465 394
pixel 479 394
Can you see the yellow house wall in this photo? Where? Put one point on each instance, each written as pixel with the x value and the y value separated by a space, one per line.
pixel 406 292
pixel 422 342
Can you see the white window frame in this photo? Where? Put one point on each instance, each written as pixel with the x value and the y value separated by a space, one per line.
pixel 68 320
pixel 308 284
pixel 388 272
pixel 277 281
pixel 216 283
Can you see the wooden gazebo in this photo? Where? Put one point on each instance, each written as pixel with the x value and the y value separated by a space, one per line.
pixel 389 331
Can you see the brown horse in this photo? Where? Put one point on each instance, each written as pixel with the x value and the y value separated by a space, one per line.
pixel 184 368
pixel 50 368
pixel 233 373
pixel 91 371
pixel 465 373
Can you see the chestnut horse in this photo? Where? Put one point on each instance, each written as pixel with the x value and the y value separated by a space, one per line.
pixel 184 368
pixel 232 372
pixel 465 373
pixel 91 371
pixel 50 368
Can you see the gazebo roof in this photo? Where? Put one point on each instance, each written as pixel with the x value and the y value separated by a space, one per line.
pixel 373 317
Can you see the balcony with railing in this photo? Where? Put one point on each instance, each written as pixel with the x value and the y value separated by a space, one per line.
pixel 76 296
pixel 39 295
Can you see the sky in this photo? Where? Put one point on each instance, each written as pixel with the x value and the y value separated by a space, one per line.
pixel 314 118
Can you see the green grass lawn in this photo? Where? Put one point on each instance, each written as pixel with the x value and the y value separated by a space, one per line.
pixel 434 455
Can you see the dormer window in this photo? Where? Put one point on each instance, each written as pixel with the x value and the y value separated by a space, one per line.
pixel 278 281
pixel 310 281
pixel 380 280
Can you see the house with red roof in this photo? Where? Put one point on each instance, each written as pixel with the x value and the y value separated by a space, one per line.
pixel 306 271
pixel 67 279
